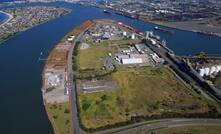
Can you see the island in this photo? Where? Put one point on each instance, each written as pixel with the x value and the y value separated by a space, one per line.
pixel 105 76
pixel 22 18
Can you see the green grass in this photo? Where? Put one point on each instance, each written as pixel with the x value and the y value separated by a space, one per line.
pixel 91 58
pixel 191 130
pixel 143 91
pixel 59 115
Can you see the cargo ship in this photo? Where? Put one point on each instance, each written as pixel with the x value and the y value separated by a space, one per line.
pixel 107 12
pixel 128 15
pixel 163 30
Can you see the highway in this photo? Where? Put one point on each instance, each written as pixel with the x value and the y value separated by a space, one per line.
pixel 171 123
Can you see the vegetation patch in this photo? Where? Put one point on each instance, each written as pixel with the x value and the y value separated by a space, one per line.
pixel 143 92
pixel 50 89
pixel 59 115
pixel 91 58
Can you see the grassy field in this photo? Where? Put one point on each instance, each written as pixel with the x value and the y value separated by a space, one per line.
pixel 191 130
pixel 91 58
pixel 59 115
pixel 143 91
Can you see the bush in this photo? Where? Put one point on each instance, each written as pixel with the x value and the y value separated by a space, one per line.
pixel 66 111
pixel 55 116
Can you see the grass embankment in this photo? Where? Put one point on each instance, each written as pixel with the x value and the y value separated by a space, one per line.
pixel 190 130
pixel 142 92
pixel 59 115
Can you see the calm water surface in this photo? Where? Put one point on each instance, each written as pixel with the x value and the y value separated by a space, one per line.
pixel 22 110
pixel 2 17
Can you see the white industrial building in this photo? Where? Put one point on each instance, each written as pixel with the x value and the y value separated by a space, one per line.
pixel 132 61
pixel 52 79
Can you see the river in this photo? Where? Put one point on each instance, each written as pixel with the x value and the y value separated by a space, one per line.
pixel 2 17
pixel 22 110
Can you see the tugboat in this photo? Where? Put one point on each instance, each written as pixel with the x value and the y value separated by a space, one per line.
pixel 107 12
pixel 163 30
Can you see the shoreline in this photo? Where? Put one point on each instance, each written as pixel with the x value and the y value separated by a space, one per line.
pixel 190 27
pixel 19 32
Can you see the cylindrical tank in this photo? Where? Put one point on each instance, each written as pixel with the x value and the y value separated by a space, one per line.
pixel 207 71
pixel 202 72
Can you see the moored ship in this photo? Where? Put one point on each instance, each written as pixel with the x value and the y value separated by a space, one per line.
pixel 205 33
pixel 107 12
pixel 163 30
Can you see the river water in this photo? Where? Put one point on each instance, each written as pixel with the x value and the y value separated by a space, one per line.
pixel 22 110
pixel 2 17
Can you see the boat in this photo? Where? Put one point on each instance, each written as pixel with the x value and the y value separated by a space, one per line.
pixel 205 33
pixel 163 30
pixel 107 12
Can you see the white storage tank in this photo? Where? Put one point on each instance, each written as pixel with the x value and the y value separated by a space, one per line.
pixel 124 33
pixel 202 72
pixel 218 68
pixel 213 70
pixel 133 36
pixel 207 71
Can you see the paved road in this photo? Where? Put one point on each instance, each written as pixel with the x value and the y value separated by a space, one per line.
pixel 72 95
pixel 171 123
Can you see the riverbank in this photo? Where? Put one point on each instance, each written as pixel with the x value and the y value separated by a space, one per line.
pixel 191 26
pixel 22 19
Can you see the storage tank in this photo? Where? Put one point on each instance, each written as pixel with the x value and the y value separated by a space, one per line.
pixel 207 71
pixel 213 70
pixel 124 33
pixel 218 68
pixel 133 36
pixel 202 72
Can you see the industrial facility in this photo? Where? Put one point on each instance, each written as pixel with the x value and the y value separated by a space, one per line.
pixel 55 74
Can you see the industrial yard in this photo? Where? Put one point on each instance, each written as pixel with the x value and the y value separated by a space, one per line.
pixel 57 85
pixel 208 67
pixel 120 79
pixel 55 75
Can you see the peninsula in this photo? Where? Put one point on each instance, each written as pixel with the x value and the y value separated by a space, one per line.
pixel 22 18
pixel 105 76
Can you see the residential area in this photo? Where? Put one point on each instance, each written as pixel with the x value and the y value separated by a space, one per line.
pixel 22 18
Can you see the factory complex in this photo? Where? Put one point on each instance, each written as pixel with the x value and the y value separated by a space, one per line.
pixel 107 46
